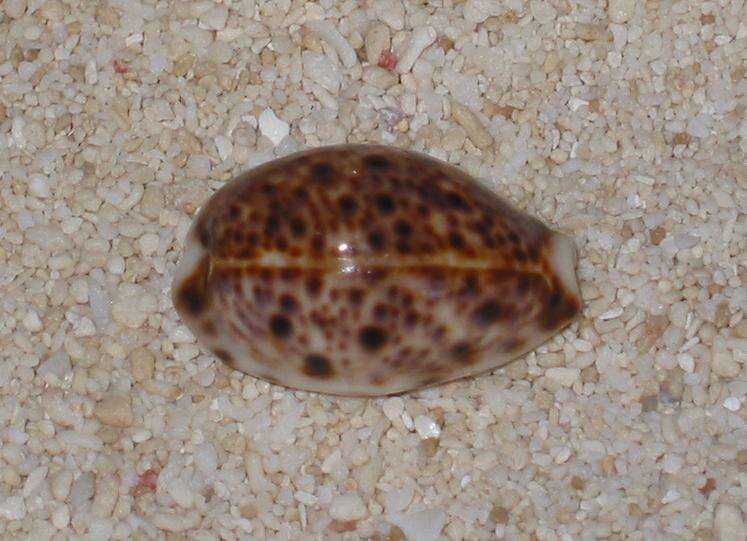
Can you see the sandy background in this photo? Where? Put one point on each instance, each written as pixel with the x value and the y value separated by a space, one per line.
pixel 620 123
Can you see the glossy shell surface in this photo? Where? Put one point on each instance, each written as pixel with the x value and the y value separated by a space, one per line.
pixel 365 270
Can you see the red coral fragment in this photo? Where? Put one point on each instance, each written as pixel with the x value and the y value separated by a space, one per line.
pixel 387 60
pixel 120 66
pixel 147 480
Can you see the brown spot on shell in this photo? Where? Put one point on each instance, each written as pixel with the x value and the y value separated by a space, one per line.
pixel 314 285
pixel 288 303
pixel 372 338
pixel 266 188
pixel 203 234
pixel 234 212
pixel 487 313
pixel 272 225
pixel 322 172
pixel 376 162
pixel 463 353
pixel 456 201
pixel 281 326
pixel 470 285
pixel 317 244
pixel 356 296
pixel 512 344
pixel 298 227
pixel 193 296
pixel 402 228
pixel 208 327
pixel 347 204
pixel 558 310
pixel 456 241
pixel 290 274
pixel 377 240
pixel 377 379
pixel 224 356
pixel 385 203
pixel 403 247
pixel 522 286
pixel 318 366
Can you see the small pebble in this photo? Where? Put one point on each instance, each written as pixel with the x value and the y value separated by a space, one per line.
pixel 107 492
pixel 82 490
pixel 206 458
pixel 686 362
pixel 39 186
pixel 423 525
pixel 114 410
pixel 421 38
pixel 391 12
pixel 321 70
pixel 182 335
pixel 740 330
pixel 566 376
pixel 100 529
pixel 132 305
pixel 148 244
pixel 272 127
pixel 724 364
pixel 14 8
pixel 151 203
pixel 61 483
pixel 180 491
pixel 12 452
pixel 83 327
pixel 563 455
pixel 672 463
pixel 13 508
pixel 224 146
pixel 79 290
pixel 215 18
pixel 347 507
pixel 620 11
pixel 140 435
pixel 32 322
pixel 115 264
pixel 61 517
pixel 143 363
pixel 34 480
pixel 91 73
pixel 176 522
pixel 393 408
pixel 427 427
pixel 479 136
pixel 729 523
pixel 477 11
pixel 329 33
pixel 542 11
pixel 732 403
pixel 611 314
pixel 58 364
pixel 377 41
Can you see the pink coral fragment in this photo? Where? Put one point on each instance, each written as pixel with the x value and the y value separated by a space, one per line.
pixel 388 60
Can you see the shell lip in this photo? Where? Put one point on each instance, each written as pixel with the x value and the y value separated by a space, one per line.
pixel 194 254
pixel 564 259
